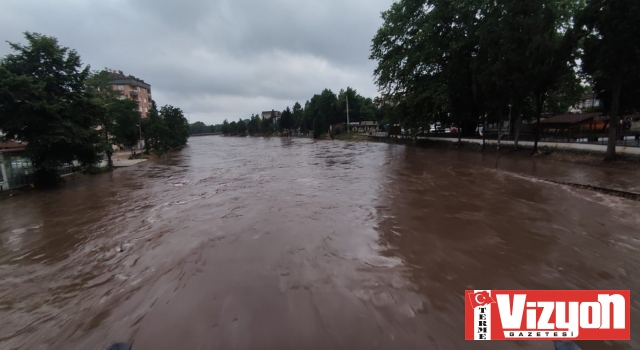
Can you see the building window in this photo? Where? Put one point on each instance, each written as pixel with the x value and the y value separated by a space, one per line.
pixel 145 100
pixel 140 109
pixel 121 87
pixel 146 109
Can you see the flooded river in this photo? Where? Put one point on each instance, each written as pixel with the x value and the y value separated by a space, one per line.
pixel 252 243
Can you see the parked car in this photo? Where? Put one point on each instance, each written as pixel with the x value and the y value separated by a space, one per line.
pixel 453 129
pixel 447 130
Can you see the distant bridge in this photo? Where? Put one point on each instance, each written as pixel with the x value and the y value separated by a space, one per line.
pixel 208 134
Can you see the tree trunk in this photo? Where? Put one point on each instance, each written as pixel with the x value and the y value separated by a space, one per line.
pixel 484 129
pixel 147 146
pixel 499 136
pixel 518 127
pixel 109 151
pixel 539 104
pixel 613 124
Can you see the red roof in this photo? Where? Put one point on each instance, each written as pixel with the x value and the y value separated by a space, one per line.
pixel 12 146
pixel 569 118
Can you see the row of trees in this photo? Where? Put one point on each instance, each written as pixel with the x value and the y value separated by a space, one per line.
pixel 321 111
pixel 468 60
pixel 65 112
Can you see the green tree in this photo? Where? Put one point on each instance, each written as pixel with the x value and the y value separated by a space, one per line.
pixel 266 125
pixel 225 128
pixel 44 102
pixel 152 127
pixel 126 121
pixel 177 125
pixel 199 128
pixel 426 53
pixel 355 105
pixel 99 85
pixel 309 115
pixel 233 128
pixel 464 61
pixel 328 107
pixel 241 127
pixel 253 128
pixel 298 115
pixel 611 53
pixel 286 121
pixel 319 126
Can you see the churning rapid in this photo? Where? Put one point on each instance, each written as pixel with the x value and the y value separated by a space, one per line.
pixel 252 243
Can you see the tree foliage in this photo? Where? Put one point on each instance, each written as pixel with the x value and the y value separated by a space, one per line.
pixel 465 61
pixel 241 127
pixel 126 128
pixel 611 57
pixel 44 102
pixel 286 120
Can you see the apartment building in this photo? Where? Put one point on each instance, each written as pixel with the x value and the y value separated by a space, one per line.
pixel 133 88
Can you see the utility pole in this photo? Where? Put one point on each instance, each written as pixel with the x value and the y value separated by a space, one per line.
pixel 348 125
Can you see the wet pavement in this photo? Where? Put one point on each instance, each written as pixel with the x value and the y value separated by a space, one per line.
pixel 252 243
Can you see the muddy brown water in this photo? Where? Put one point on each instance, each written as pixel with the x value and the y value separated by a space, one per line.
pixel 252 243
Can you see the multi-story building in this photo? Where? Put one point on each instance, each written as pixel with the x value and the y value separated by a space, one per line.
pixel 133 88
pixel 276 116
pixel 587 103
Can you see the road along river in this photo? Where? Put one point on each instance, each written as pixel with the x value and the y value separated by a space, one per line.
pixel 269 243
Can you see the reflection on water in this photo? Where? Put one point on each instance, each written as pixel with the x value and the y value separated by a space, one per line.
pixel 293 243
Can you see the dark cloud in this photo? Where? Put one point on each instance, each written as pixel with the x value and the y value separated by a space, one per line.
pixel 214 59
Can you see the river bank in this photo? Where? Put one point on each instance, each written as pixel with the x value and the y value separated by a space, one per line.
pixel 593 158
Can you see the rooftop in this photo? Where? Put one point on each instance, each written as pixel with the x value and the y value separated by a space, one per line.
pixel 119 78
pixel 12 146
pixel 569 118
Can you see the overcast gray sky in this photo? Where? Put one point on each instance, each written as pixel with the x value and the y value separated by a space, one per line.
pixel 215 59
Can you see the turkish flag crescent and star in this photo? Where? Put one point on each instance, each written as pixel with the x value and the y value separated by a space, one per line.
pixel 480 299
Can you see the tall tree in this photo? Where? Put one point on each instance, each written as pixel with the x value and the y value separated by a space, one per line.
pixel 298 115
pixel 355 105
pixel 178 125
pixel 126 129
pixel 225 127
pixel 319 126
pixel 151 127
pixel 611 52
pixel 426 51
pixel 43 101
pixel 241 127
pixel 99 85
pixel 286 121
pixel 198 128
